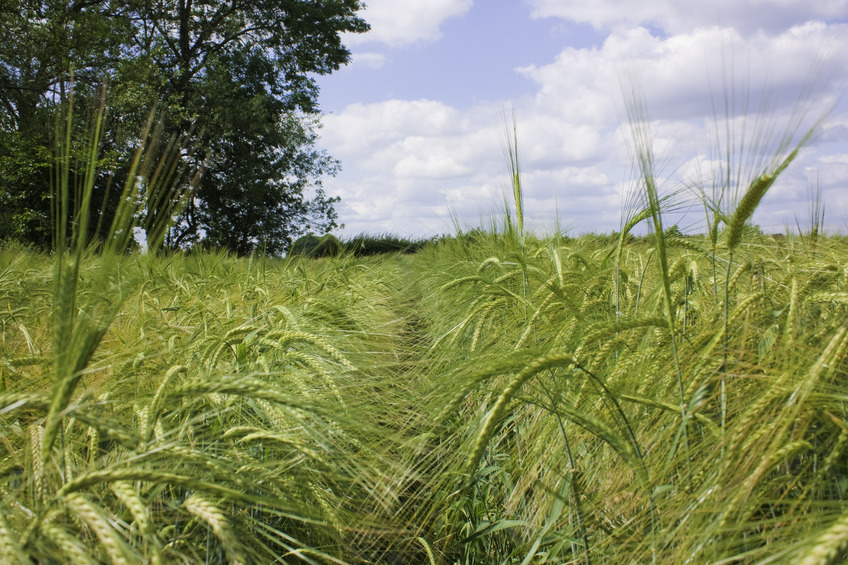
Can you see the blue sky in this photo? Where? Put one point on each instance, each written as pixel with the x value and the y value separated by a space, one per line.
pixel 472 60
pixel 417 119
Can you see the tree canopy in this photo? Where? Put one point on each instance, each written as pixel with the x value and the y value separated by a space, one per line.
pixel 233 79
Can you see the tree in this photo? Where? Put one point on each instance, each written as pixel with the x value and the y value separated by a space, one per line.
pixel 235 78
pixel 38 43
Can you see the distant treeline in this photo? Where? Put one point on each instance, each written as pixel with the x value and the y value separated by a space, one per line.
pixel 361 245
pixel 364 245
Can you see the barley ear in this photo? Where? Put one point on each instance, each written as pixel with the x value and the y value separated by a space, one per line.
pixel 152 414
pixel 129 497
pixel 72 548
pixel 829 545
pixel 210 514
pixel 36 438
pixel 430 557
pixel 746 208
pixel 10 549
pixel 100 523
pixel 494 415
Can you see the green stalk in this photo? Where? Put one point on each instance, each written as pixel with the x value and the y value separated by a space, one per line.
pixel 511 150
pixel 645 159
pixel 79 326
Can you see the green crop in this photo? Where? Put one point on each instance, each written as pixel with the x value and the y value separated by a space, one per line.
pixel 495 397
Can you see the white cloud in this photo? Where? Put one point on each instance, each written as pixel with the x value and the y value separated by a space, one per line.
pixel 679 74
pixel 361 131
pixel 421 158
pixel 396 23
pixel 370 60
pixel 402 161
pixel 407 163
pixel 676 16
pixel 832 171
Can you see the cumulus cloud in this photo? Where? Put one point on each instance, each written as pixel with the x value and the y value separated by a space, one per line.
pixel 410 165
pixel 407 164
pixel 676 16
pixel 370 60
pixel 362 130
pixel 398 24
pixel 407 157
pixel 683 74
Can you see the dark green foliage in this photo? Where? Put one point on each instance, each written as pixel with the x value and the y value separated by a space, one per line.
pixel 672 232
pixel 235 81
pixel 311 245
pixel 364 245
pixel 23 164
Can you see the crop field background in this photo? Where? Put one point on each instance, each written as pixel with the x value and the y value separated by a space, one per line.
pixel 492 398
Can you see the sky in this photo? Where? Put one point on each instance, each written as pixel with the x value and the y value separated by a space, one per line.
pixel 420 118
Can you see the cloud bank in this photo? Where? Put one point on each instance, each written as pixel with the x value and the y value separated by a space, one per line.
pixel 399 24
pixel 411 165
pixel 682 16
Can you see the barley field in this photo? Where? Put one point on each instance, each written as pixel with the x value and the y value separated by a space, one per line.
pixel 493 398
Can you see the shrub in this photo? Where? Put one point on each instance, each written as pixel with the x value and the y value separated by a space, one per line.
pixel 311 245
